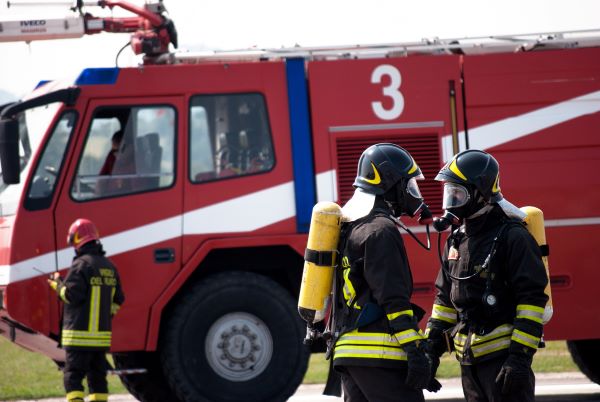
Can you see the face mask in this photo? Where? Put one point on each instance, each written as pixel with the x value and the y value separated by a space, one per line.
pixel 409 201
pixel 458 203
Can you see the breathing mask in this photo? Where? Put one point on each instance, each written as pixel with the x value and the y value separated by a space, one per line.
pixel 407 200
pixel 459 202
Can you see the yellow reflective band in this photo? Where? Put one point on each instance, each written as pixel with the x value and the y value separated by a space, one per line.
pixel 377 179
pixel 529 312
pixel 84 338
pixel 502 330
pixel 87 344
pixel 369 352
pixel 94 316
pixel 525 339
pixel 398 314
pixel 499 344
pixel 75 395
pixel 98 397
pixel 454 169
pixel 408 336
pixel 413 168
pixel 349 292
pixel 63 294
pixel 367 338
pixel 76 332
pixel 444 313
pixel 87 336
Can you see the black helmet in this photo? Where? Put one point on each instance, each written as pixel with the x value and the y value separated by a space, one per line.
pixel 381 166
pixel 477 169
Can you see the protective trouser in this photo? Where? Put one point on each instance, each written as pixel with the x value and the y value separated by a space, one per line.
pixel 479 383
pixel 376 384
pixel 90 364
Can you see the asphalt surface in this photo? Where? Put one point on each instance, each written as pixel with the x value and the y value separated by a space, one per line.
pixel 552 387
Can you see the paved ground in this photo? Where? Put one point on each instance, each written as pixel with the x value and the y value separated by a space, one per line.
pixel 553 387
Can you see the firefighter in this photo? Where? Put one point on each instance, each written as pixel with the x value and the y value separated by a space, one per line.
pixel 490 291
pixel 92 295
pixel 378 349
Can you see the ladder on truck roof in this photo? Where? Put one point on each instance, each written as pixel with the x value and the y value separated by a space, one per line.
pixel 475 45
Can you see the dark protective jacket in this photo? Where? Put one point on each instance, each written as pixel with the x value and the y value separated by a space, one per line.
pixel 91 294
pixel 518 281
pixel 372 311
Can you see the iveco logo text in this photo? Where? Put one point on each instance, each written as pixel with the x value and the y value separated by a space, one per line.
pixel 33 23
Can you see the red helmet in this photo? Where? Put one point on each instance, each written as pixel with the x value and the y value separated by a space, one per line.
pixel 82 231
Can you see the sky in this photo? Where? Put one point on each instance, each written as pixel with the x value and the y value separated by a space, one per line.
pixel 240 24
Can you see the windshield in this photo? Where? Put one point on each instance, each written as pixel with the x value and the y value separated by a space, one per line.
pixel 33 124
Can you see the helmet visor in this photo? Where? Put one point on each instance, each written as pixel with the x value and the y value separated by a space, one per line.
pixel 413 188
pixel 455 196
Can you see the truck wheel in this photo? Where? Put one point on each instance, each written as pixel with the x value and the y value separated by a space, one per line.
pixel 235 336
pixel 586 354
pixel 149 387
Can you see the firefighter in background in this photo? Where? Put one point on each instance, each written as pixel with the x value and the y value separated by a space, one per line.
pixel 490 291
pixel 378 350
pixel 92 295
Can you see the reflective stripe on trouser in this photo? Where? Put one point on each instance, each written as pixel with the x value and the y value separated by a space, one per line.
pixel 99 397
pixel 366 345
pixel 75 396
pixel 482 345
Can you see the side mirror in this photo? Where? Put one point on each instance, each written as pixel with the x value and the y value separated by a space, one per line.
pixel 9 151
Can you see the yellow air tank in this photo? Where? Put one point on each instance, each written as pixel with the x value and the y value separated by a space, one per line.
pixel 535 225
pixel 319 261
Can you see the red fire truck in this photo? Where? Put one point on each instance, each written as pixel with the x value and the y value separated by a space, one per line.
pixel 219 158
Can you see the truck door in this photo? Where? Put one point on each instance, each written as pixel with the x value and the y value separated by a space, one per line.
pixel 123 177
pixel 413 102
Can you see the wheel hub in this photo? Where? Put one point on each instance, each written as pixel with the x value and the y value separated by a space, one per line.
pixel 239 346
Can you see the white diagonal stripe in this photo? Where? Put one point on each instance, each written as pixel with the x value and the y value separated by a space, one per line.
pixel 242 214
pixel 509 129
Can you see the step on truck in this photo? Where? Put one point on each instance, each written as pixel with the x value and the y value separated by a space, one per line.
pixel 218 159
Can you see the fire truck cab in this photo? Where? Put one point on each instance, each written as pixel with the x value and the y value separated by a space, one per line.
pixel 201 171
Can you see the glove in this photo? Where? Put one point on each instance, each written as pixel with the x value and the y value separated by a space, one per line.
pixel 514 374
pixel 419 367
pixel 430 350
pixel 434 385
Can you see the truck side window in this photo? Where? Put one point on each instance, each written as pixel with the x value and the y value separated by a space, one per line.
pixel 128 150
pixel 50 163
pixel 229 136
